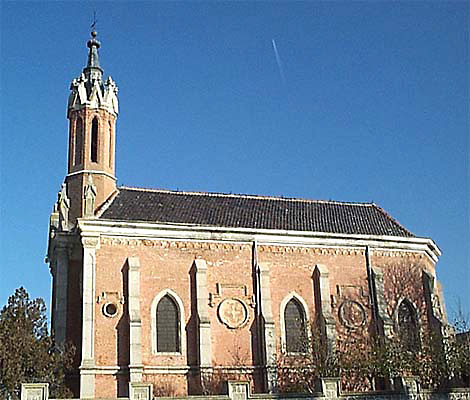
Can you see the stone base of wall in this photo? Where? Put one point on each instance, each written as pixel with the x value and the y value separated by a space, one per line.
pixel 330 390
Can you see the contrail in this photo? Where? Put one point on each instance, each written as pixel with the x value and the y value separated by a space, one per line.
pixel 279 63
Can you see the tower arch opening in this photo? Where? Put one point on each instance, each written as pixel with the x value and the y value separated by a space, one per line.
pixel 78 141
pixel 94 140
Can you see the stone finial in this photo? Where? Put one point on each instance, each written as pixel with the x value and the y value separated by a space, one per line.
pixel 110 96
pixel 63 208
pixel 89 199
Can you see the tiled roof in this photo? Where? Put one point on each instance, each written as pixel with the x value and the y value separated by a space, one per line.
pixel 243 211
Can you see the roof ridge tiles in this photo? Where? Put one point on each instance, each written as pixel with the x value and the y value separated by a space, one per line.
pixel 244 196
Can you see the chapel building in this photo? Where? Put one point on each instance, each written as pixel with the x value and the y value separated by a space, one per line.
pixel 171 287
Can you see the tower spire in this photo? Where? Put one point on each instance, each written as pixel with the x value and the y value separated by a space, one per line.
pixel 93 70
pixel 92 110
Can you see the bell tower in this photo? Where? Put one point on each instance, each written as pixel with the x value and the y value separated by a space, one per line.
pixel 92 112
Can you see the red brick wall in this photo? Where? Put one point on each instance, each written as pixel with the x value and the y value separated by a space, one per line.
pixel 168 265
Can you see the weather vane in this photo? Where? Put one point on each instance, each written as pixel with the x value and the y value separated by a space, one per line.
pixel 93 25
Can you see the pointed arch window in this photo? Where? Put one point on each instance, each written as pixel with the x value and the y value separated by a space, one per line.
pixel 295 327
pixel 78 141
pixel 408 329
pixel 168 319
pixel 94 140
pixel 110 127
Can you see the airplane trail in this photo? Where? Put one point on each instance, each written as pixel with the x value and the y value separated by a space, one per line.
pixel 279 62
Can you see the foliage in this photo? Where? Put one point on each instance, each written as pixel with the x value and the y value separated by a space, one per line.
pixel 370 363
pixel 301 372
pixel 27 351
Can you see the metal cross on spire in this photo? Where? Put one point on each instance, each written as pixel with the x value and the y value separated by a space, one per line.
pixel 93 25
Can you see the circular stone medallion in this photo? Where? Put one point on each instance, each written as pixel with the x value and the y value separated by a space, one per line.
pixel 233 313
pixel 352 314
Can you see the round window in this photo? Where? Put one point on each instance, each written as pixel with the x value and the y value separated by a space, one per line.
pixel 110 309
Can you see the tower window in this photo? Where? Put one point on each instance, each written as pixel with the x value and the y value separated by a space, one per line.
pixel 78 141
pixel 94 140
pixel 110 145
pixel 167 326
pixel 295 329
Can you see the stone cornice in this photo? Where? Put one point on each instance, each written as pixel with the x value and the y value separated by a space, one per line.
pixel 92 171
pixel 152 231
pixel 90 241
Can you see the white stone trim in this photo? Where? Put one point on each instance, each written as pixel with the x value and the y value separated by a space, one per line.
pixel 135 323
pixel 91 171
pixel 87 376
pixel 268 332
pixel 140 391
pixel 167 369
pixel 202 299
pixel 153 319
pixel 321 288
pixel 261 236
pixel 289 297
pixel 108 370
pixel 36 391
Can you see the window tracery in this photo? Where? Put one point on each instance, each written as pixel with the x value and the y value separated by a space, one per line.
pixel 407 324
pixel 295 327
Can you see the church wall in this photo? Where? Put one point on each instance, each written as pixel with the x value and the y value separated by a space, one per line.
pixel 170 265
pixel 106 386
pixel 110 288
pixel 347 279
pixel 230 268
pixel 403 278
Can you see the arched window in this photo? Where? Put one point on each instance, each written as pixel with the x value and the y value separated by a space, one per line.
pixel 110 145
pixel 408 330
pixel 167 321
pixel 94 140
pixel 78 141
pixel 295 327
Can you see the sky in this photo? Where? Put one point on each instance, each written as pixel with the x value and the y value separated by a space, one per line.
pixel 342 100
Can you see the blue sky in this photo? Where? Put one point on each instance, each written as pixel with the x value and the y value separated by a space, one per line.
pixel 373 105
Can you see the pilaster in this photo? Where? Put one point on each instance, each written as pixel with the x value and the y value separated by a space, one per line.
pixel 437 315
pixel 135 322
pixel 268 333
pixel 60 266
pixel 202 298
pixel 321 285
pixel 384 322
pixel 87 374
